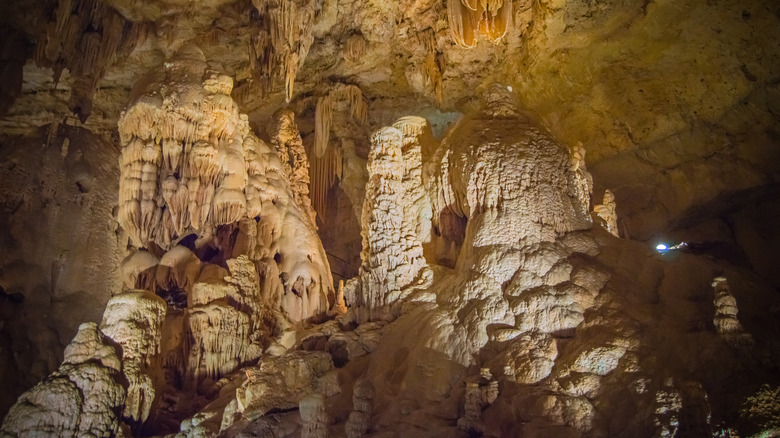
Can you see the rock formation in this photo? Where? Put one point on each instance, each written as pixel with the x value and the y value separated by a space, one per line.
pixel 134 320
pixel 314 417
pixel 198 175
pixel 191 165
pixel 392 254
pixel 726 323
pixel 84 397
pixel 607 213
pixel 359 420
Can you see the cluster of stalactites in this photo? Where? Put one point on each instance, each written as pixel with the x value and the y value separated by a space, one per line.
pixel 326 162
pixel 433 65
pixel 323 114
pixel 183 163
pixel 470 19
pixel 85 38
pixel 281 40
pixel 325 171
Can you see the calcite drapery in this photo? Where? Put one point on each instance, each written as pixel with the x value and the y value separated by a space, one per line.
pixel 470 19
pixel 326 162
pixel 280 41
pixel 190 164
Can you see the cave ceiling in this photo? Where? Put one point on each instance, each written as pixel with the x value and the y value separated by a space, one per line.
pixel 676 104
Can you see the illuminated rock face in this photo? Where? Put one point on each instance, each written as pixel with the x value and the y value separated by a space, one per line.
pixel 190 165
pixel 478 251
pixel 84 397
pixel 134 320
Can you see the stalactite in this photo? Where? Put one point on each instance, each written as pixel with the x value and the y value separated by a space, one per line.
pixel 322 120
pixel 280 40
pixel 324 173
pixel 323 113
pixel 433 75
pixel 470 19
pixel 326 163
pixel 85 37
pixel 355 47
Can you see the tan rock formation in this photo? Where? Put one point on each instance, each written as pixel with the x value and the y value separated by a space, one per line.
pixel 726 323
pixel 359 421
pixel 392 255
pixel 191 165
pixel 134 320
pixel 607 213
pixel 84 397
pixel 280 382
pixel 314 417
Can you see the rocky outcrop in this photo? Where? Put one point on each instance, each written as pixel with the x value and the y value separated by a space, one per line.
pixel 280 382
pixel 84 397
pixel 134 320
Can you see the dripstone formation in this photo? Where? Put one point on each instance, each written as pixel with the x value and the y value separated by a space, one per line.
pixel 296 218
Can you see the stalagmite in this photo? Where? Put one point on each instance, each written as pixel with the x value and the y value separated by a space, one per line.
pixel 392 257
pixel 668 404
pixel 480 392
pixel 84 397
pixel 606 211
pixel 134 320
pixel 726 323
pixel 418 142
pixel 359 420
pixel 314 417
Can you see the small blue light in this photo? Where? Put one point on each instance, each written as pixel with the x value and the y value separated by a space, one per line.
pixel 661 247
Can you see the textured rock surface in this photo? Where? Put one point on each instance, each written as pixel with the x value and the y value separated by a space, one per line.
pixel 84 397
pixel 61 247
pixel 672 107
pixel 134 320
pixel 279 383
